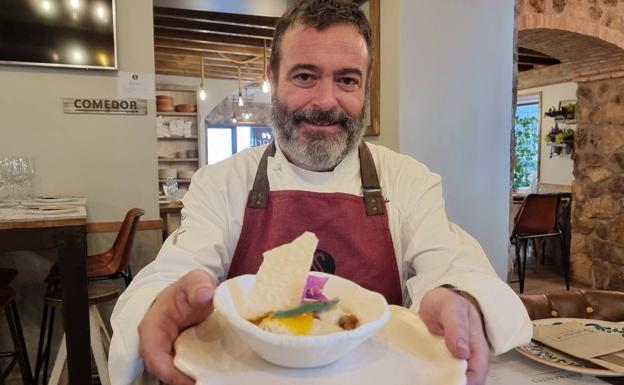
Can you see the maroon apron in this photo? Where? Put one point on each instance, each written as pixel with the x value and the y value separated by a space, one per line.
pixel 354 237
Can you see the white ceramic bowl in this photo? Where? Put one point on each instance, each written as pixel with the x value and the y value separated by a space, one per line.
pixel 304 351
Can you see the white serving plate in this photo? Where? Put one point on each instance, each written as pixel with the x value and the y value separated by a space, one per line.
pixel 51 211
pixel 403 352
pixel 551 357
pixel 53 199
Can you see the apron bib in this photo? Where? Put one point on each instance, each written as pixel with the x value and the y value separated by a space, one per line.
pixel 354 236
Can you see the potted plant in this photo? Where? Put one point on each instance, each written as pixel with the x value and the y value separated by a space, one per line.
pixel 563 112
pixel 560 140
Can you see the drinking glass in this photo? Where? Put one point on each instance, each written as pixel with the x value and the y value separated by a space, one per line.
pixel 170 188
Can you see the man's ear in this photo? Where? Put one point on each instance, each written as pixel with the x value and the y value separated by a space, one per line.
pixel 271 76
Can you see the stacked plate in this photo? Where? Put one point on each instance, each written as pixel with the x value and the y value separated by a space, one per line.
pixel 186 108
pixel 164 103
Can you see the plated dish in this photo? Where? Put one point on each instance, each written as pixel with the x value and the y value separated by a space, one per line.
pixel 213 353
pixel 539 352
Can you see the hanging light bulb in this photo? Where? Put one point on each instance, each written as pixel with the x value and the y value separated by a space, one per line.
pixel 241 102
pixel 202 91
pixel 234 120
pixel 246 115
pixel 266 88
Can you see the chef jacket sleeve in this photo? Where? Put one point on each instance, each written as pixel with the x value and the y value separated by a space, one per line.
pixel 201 242
pixel 438 252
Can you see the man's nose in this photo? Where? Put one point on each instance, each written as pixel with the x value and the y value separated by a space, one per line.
pixel 325 95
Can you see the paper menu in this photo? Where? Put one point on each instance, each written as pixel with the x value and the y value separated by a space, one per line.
pixel 585 342
pixel 512 368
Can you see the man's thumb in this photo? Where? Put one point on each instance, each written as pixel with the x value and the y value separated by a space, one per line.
pixel 199 287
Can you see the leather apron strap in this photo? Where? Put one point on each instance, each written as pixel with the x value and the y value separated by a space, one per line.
pixel 373 199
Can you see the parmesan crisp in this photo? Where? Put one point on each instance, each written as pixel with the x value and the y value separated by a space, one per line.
pixel 281 278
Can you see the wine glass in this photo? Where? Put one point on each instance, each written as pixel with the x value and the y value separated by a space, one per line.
pixel 20 170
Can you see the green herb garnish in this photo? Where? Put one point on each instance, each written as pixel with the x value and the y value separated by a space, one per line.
pixel 307 307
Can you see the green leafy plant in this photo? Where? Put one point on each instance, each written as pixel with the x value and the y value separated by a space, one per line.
pixel 560 135
pixel 565 111
pixel 526 151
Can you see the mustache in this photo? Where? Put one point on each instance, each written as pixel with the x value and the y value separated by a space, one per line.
pixel 318 116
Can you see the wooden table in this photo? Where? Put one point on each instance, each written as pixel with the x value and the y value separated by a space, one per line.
pixel 67 234
pixel 170 213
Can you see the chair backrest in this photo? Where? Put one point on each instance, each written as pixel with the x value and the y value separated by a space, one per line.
pixel 593 304
pixel 538 214
pixel 123 243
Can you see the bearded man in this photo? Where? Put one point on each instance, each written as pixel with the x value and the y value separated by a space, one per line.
pixel 379 215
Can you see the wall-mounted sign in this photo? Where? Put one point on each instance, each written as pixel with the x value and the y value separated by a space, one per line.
pixel 105 106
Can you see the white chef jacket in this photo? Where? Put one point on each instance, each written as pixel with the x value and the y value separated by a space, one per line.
pixel 430 250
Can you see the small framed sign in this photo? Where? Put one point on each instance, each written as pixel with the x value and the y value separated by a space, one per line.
pixel 105 106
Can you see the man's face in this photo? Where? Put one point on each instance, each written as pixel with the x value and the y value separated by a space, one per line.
pixel 318 104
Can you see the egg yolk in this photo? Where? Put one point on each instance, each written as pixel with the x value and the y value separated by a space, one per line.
pixel 300 325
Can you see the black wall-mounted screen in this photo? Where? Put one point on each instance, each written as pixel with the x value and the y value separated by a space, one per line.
pixel 62 33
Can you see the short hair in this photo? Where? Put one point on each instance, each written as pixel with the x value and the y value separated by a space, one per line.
pixel 321 14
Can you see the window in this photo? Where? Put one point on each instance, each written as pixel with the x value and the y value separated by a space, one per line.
pixel 223 142
pixel 527 141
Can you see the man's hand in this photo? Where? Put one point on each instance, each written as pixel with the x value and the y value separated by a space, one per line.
pixel 449 314
pixel 185 303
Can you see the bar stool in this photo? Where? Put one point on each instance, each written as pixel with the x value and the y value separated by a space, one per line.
pixel 100 338
pixel 20 355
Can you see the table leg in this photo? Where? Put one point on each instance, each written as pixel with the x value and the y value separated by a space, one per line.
pixel 72 249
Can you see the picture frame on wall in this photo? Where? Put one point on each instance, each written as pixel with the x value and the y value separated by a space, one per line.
pixel 372 121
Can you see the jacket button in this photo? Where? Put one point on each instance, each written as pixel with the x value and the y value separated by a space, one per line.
pixel 589 309
pixel 554 313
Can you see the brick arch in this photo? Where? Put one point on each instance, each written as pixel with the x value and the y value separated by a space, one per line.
pixel 570 24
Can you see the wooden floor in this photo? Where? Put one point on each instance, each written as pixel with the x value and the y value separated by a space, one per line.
pixel 548 278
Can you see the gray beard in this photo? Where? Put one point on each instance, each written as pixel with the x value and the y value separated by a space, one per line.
pixel 315 151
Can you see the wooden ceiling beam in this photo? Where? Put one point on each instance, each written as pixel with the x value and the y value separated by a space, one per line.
pixel 216 28
pixel 194 60
pixel 203 47
pixel 195 66
pixel 525 67
pixel 205 54
pixel 245 74
pixel 529 52
pixel 222 17
pixel 525 59
pixel 213 38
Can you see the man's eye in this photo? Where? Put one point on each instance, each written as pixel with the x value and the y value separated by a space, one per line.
pixel 304 77
pixel 349 82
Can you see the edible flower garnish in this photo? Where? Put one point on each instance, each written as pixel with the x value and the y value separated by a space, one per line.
pixel 308 307
pixel 314 289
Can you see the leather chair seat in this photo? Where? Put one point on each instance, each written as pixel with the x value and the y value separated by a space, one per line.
pixel 593 304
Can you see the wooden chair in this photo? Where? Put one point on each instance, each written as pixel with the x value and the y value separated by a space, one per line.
pixel 99 336
pixel 18 356
pixel 538 219
pixel 593 304
pixel 113 263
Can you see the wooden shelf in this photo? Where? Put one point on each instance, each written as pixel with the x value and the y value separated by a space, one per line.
pixel 178 159
pixel 176 113
pixel 177 138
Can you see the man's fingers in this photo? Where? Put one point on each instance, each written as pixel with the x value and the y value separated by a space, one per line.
pixel 161 366
pixel 478 364
pixel 456 330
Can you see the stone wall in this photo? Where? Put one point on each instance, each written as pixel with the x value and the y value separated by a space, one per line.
pixel 597 251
